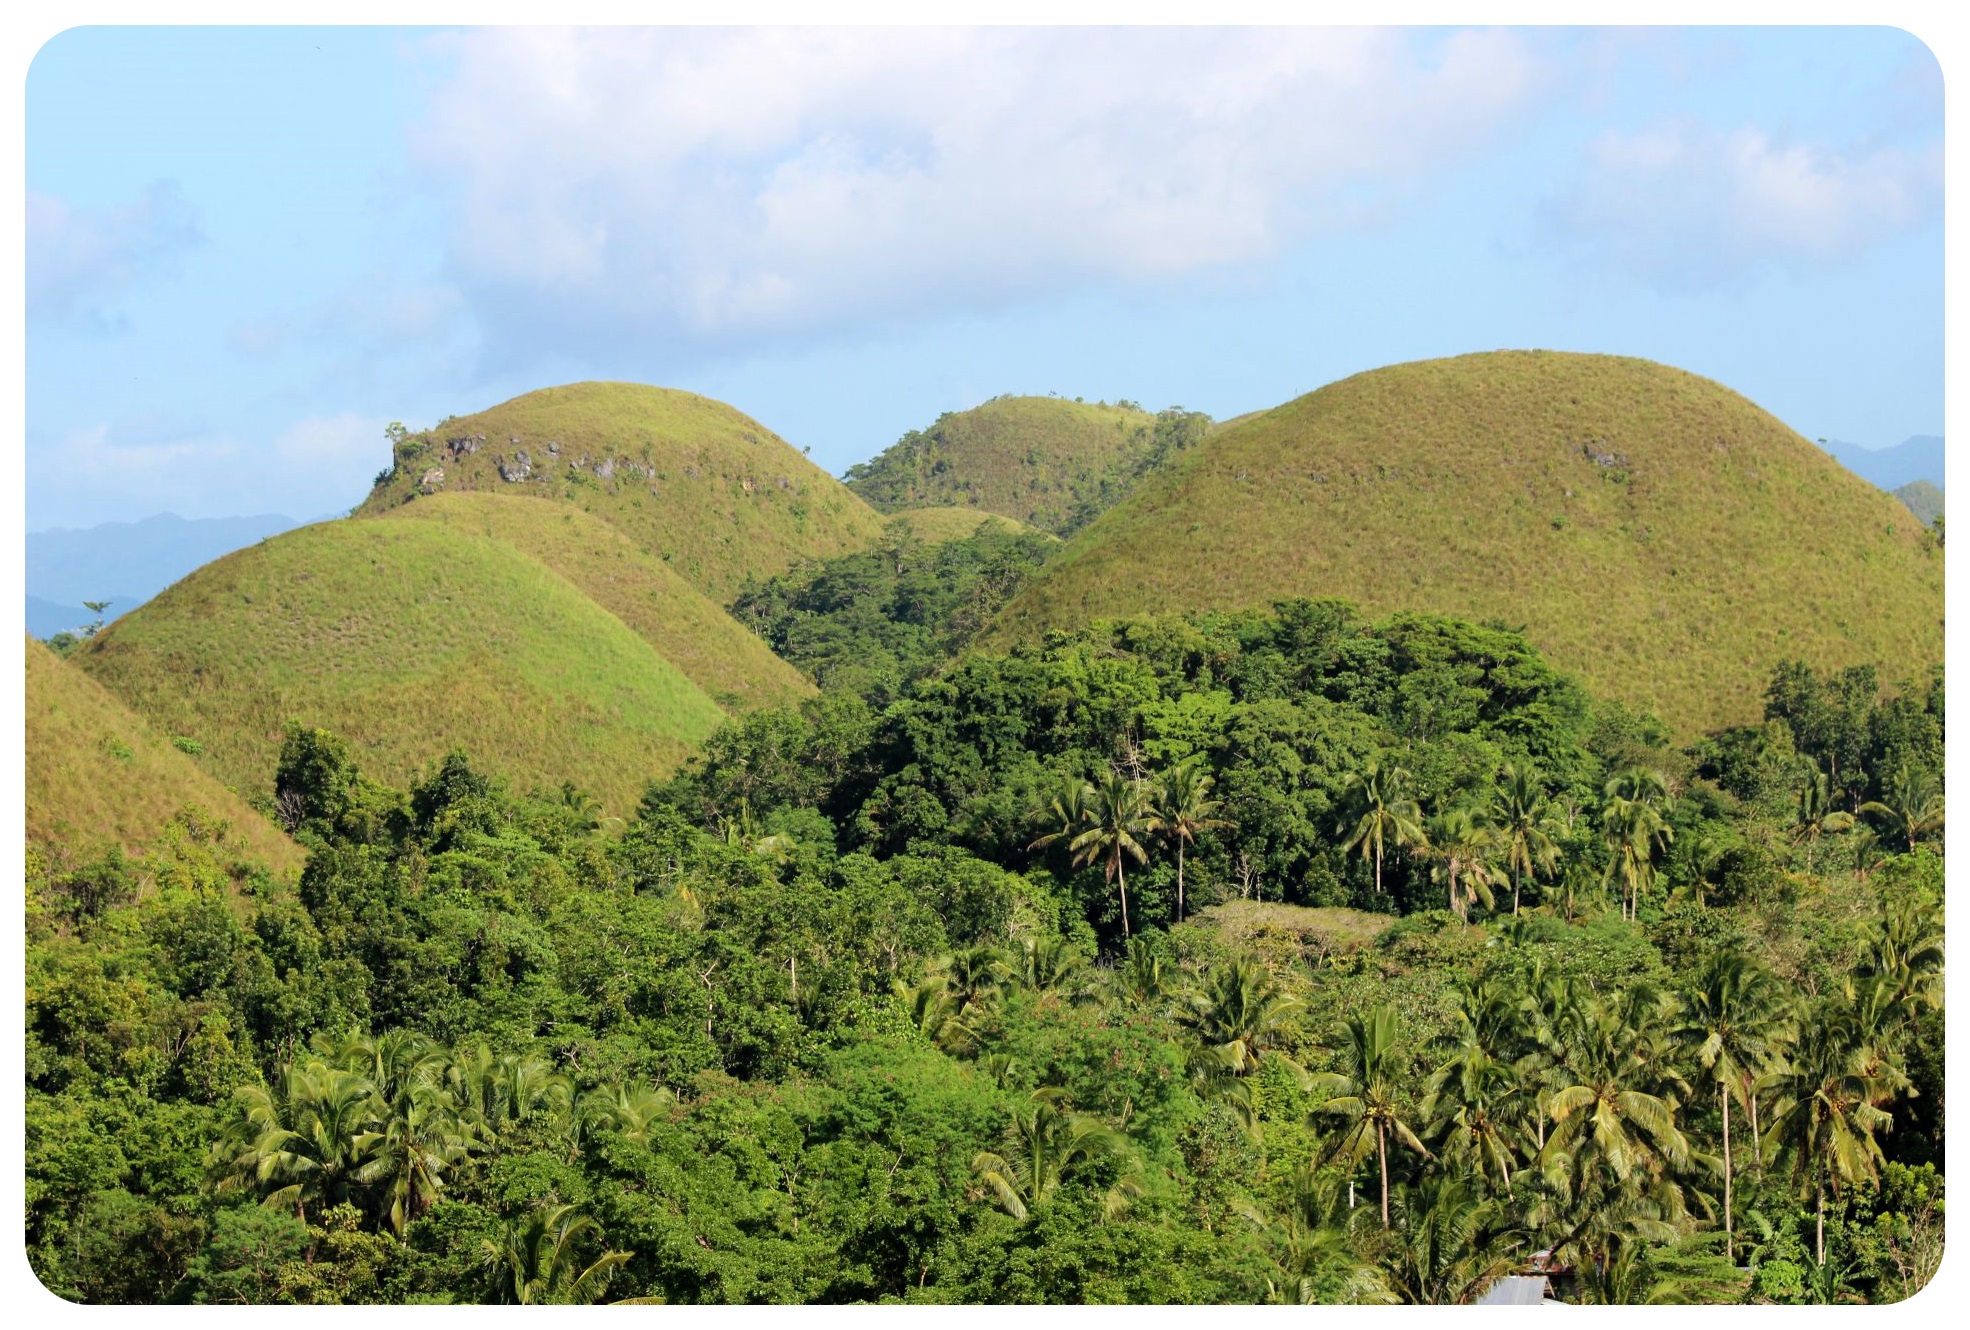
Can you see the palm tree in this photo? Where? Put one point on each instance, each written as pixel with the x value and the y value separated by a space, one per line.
pixel 533 1262
pixel 1736 1020
pixel 1140 979
pixel 1452 1243
pixel 1608 1160
pixel 1460 850
pixel 1364 1093
pixel 1522 815
pixel 420 1138
pixel 1831 1092
pixel 1635 832
pixel 1239 1015
pixel 629 1109
pixel 1471 1106
pixel 1118 819
pixel 1382 814
pixel 1044 1144
pixel 1183 808
pixel 1817 816
pixel 1066 812
pixel 299 1142
pixel 1049 965
pixel 1912 805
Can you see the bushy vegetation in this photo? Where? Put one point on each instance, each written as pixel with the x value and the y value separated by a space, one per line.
pixel 873 622
pixel 1046 461
pixel 705 488
pixel 680 623
pixel 1653 532
pixel 1471 966
pixel 408 638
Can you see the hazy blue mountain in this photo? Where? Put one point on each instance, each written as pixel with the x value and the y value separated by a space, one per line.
pixel 45 618
pixel 129 562
pixel 1919 457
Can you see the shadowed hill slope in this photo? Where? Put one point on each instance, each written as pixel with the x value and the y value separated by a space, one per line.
pixel 739 671
pixel 1652 531
pixel 408 639
pixel 691 481
pixel 1044 461
pixel 98 775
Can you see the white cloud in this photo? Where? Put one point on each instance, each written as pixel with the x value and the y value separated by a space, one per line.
pixel 79 257
pixel 723 186
pixel 1687 205
pixel 316 466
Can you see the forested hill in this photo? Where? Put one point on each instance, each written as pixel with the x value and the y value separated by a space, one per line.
pixel 1291 954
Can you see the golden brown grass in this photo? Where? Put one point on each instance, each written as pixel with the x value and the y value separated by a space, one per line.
pixel 938 526
pixel 1707 543
pixel 693 482
pixel 408 639
pixel 738 670
pixel 98 775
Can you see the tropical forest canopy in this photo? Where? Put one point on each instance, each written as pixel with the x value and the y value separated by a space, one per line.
pixel 1297 953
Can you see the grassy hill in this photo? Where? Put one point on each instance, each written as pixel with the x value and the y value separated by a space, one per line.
pixel 1042 460
pixel 710 491
pixel 408 639
pixel 98 775
pixel 687 629
pixel 938 526
pixel 1653 532
pixel 1922 499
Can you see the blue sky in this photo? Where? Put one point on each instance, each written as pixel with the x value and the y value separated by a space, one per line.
pixel 250 249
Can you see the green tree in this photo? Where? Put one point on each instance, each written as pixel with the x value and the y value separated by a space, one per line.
pixel 1380 814
pixel 1736 1021
pixel 1119 819
pixel 1815 814
pixel 1044 1145
pixel 1183 807
pixel 536 1260
pixel 1364 1094
pixel 1522 816
pixel 1912 805
pixel 1635 831
pixel 1459 850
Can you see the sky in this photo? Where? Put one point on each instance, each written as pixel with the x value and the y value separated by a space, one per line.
pixel 250 249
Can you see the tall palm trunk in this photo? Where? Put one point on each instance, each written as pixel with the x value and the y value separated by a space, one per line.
pixel 1518 876
pixel 1382 1154
pixel 1724 1093
pixel 1757 1142
pixel 1819 1225
pixel 1122 883
pixel 1179 879
pixel 1378 865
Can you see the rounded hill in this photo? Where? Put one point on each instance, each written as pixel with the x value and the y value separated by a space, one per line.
pixel 693 482
pixel 685 626
pixel 1044 461
pixel 408 639
pixel 1653 532
pixel 99 776
pixel 940 526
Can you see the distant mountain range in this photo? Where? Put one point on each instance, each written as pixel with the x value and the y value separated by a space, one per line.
pixel 126 563
pixel 1919 457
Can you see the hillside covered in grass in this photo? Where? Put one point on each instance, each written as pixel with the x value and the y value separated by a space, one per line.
pixel 98 776
pixel 685 627
pixel 408 639
pixel 1043 460
pixel 1653 532
pixel 937 525
pixel 710 491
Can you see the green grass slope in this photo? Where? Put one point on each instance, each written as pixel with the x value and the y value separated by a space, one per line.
pixel 408 639
pixel 99 776
pixel 710 491
pixel 940 526
pixel 1655 533
pixel 1037 459
pixel 687 629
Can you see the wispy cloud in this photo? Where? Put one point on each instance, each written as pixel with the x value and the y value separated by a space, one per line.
pixel 722 187
pixel 80 258
pixel 106 472
pixel 1686 205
